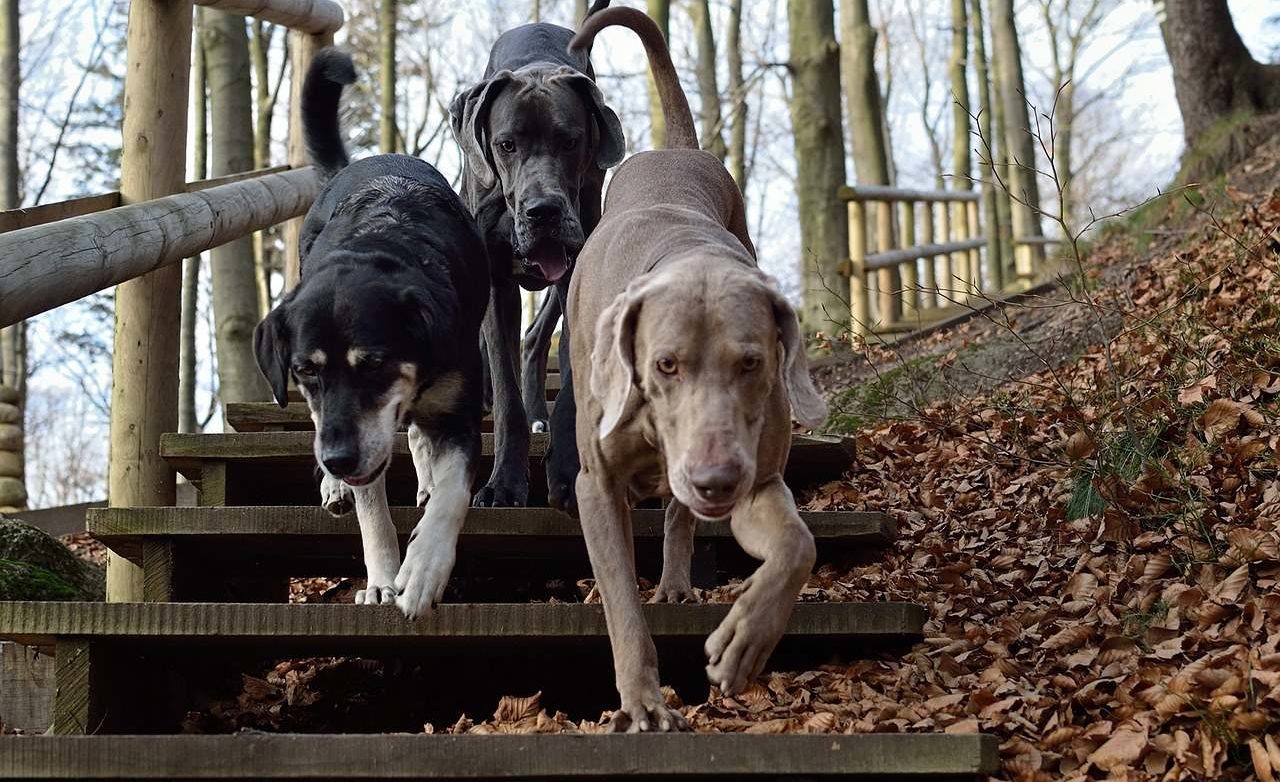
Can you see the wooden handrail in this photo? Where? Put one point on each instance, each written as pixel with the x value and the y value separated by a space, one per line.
pixel 1039 240
pixel 46 266
pixel 884 193
pixel 891 258
pixel 318 17
pixel 28 217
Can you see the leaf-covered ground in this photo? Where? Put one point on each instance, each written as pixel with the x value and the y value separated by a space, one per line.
pixel 1098 541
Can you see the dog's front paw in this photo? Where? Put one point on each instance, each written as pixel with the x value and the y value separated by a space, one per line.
pixel 501 495
pixel 647 714
pixel 423 577
pixel 336 496
pixel 674 591
pixel 539 426
pixel 376 596
pixel 740 646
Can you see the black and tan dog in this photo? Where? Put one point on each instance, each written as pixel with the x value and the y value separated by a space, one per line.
pixel 383 329
pixel 537 138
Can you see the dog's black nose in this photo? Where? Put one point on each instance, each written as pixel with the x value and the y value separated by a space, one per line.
pixel 716 483
pixel 541 211
pixel 341 462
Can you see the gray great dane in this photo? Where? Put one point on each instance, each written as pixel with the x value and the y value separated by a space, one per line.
pixel 537 138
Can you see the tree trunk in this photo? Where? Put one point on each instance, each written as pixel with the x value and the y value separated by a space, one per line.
pixel 187 421
pixel 659 12
pixel 1064 116
pixel 818 135
pixel 1214 76
pixel 862 94
pixel 13 353
pixel 708 85
pixel 1020 144
pixel 389 134
pixel 986 148
pixel 738 98
pixel 259 48
pixel 959 65
pixel 235 286
pixel 579 12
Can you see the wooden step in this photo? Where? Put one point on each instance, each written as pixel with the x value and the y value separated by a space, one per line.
pixel 278 468
pixel 296 417
pixel 157 657
pixel 552 386
pixel 504 553
pixel 726 756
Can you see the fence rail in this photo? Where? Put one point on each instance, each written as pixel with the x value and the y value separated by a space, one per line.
pixel 317 17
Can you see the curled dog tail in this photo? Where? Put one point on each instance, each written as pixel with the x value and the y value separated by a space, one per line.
pixel 675 106
pixel 330 71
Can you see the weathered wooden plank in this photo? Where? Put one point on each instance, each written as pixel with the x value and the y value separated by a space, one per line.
pixel 157 560
pixel 43 624
pixel 278 468
pixel 255 756
pixel 26 217
pixel 309 16
pixel 76 707
pixel 890 258
pixel 46 266
pixel 26 688
pixel 270 417
pixel 509 548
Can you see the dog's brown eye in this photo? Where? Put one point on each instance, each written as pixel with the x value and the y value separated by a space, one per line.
pixel 370 362
pixel 667 365
pixel 570 144
pixel 305 370
pixel 750 363
pixel 507 146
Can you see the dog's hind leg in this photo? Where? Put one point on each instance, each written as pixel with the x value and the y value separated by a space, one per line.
pixel 378 537
pixel 563 461
pixel 432 551
pixel 676 585
pixel 533 363
pixel 508 485
pixel 420 450
pixel 768 527
pixel 335 495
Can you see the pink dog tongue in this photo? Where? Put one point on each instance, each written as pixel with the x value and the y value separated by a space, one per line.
pixel 550 259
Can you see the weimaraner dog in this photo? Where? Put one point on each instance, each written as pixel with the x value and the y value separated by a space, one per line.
pixel 695 365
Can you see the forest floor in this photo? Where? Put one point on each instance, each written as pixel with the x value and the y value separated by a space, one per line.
pixel 1087 488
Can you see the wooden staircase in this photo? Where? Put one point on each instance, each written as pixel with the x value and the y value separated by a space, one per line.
pixel 216 582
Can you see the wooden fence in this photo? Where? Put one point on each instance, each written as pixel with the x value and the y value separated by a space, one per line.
pixel 918 256
pixel 55 254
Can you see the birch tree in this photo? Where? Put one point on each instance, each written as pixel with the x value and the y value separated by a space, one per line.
pixel 187 421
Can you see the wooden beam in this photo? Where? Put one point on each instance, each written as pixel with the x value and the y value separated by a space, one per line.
pixel 76 710
pixel 886 193
pixel 302 50
pixel 44 624
pixel 308 16
pixel 723 757
pixel 36 276
pixel 47 266
pixel 894 257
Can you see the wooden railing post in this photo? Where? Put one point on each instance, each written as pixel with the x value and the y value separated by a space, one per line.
pixel 909 275
pixel 144 391
pixel 929 295
pixel 859 304
pixel 946 285
pixel 886 288
pixel 975 255
pixel 302 50
pixel 959 278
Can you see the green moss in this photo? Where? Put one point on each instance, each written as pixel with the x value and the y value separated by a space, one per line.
pixel 24 581
pixel 23 543
pixel 889 394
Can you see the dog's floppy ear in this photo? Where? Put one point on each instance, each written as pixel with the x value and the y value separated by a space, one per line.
pixel 469 118
pixel 613 357
pixel 807 405
pixel 611 146
pixel 271 347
